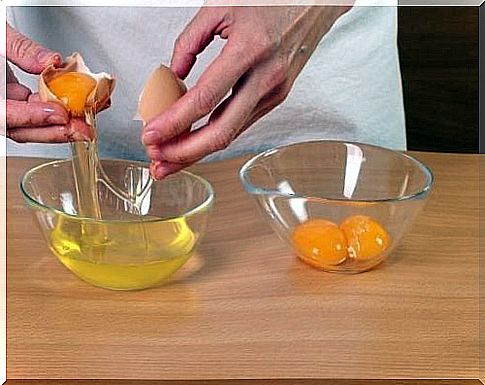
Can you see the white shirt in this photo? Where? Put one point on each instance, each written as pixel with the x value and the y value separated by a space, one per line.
pixel 350 88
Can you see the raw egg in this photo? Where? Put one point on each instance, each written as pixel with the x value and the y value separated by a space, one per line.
pixel 320 243
pixel 161 90
pixel 365 236
pixel 73 89
pixel 76 87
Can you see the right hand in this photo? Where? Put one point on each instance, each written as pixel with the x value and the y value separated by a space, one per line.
pixel 266 49
pixel 28 119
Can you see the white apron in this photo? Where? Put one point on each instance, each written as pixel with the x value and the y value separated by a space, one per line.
pixel 350 88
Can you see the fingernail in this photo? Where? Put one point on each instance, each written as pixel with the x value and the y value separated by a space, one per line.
pixel 48 57
pixel 57 60
pixel 151 137
pixel 156 170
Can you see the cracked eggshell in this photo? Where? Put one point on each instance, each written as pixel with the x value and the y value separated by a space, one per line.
pixel 161 90
pixel 98 99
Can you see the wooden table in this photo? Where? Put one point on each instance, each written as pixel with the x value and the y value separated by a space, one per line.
pixel 247 308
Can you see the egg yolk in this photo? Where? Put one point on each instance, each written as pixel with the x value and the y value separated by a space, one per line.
pixel 366 238
pixel 320 243
pixel 73 89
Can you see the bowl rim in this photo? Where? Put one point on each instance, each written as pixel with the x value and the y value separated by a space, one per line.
pixel 207 203
pixel 255 190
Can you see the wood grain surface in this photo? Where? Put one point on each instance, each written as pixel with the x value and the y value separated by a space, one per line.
pixel 298 381
pixel 244 307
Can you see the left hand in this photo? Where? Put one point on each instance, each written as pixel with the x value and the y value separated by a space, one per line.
pixel 266 49
pixel 28 119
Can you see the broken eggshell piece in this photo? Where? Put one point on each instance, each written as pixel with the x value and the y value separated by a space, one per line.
pixel 162 89
pixel 97 100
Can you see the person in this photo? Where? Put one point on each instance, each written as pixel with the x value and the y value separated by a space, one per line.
pixel 325 71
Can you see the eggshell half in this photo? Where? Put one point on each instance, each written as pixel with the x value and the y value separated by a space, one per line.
pixel 99 98
pixel 161 90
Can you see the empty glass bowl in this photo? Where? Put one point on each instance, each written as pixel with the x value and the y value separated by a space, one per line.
pixel 132 246
pixel 341 207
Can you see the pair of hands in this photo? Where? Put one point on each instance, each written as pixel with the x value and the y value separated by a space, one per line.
pixel 265 51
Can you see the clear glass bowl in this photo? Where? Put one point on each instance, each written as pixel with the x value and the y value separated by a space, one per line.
pixel 132 246
pixel 371 196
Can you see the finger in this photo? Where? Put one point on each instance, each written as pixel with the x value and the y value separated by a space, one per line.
pixel 25 114
pixel 160 169
pixel 27 54
pixel 35 97
pixel 194 39
pixel 204 97
pixel 154 152
pixel 16 91
pixel 224 126
pixel 76 130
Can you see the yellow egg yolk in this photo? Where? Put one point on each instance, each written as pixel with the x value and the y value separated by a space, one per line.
pixel 366 238
pixel 73 89
pixel 320 243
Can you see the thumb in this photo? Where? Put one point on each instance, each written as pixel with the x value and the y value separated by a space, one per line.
pixel 27 54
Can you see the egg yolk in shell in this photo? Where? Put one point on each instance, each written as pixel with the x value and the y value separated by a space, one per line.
pixel 73 89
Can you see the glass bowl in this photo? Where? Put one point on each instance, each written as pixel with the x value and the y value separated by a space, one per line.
pixel 135 245
pixel 340 206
